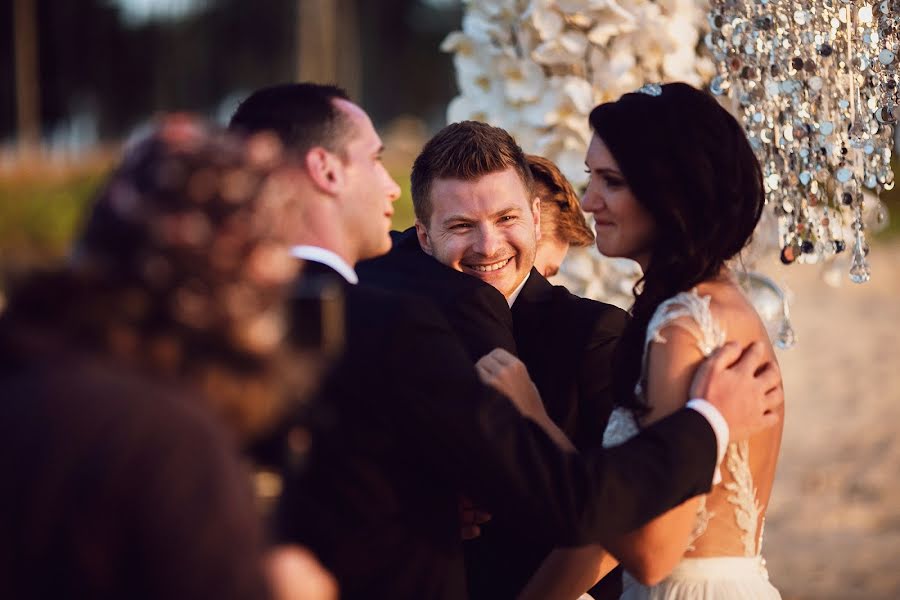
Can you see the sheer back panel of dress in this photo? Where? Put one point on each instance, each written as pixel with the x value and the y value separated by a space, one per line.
pixel 730 518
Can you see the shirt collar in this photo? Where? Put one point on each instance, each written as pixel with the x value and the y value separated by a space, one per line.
pixel 327 258
pixel 512 297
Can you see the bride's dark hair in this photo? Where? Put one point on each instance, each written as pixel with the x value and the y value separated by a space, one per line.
pixel 689 164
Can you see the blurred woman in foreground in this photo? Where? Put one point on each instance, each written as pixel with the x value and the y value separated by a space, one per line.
pixel 131 376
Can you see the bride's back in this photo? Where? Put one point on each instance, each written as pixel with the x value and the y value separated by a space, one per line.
pixel 735 510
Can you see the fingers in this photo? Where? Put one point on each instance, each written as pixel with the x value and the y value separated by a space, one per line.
pixel 769 377
pixel 751 359
pixel 488 362
pixel 770 419
pixel 471 517
pixel 724 356
pixel 499 357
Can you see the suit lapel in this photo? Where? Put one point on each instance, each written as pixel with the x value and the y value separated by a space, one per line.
pixel 528 309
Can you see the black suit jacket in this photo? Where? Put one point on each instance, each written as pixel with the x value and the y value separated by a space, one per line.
pixel 567 344
pixel 409 425
pixel 476 311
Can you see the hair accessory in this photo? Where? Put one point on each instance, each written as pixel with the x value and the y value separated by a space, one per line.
pixel 651 89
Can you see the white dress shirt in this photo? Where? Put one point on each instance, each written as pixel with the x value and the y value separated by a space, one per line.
pixel 327 258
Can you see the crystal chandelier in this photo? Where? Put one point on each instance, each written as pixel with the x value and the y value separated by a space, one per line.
pixel 816 85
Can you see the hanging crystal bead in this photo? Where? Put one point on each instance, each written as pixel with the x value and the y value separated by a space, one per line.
pixel 859 266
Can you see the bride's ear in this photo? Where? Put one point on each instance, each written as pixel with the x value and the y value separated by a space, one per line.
pixel 424 241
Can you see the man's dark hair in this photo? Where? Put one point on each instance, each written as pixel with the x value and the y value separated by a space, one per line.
pixel 466 150
pixel 302 115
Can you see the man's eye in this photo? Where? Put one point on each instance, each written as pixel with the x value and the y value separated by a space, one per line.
pixel 507 218
pixel 460 226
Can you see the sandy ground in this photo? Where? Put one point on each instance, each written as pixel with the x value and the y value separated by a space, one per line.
pixel 833 526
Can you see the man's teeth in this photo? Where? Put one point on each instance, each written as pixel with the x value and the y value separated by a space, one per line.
pixel 489 268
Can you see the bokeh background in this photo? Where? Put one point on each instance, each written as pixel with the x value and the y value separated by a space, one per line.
pixel 77 77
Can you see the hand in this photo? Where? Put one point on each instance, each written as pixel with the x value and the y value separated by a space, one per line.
pixel 744 386
pixel 508 375
pixel 294 573
pixel 471 518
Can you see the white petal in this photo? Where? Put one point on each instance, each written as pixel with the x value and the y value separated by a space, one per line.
pixel 574 42
pixel 523 80
pixel 603 32
pixel 547 22
pixel 571 163
pixel 457 41
pixel 545 112
pixel 579 93
pixel 463 108
pixel 483 30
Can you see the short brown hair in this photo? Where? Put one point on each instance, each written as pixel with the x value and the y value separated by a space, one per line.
pixel 561 215
pixel 466 150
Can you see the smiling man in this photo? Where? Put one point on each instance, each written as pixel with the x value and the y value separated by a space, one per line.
pixel 478 212
pixel 477 216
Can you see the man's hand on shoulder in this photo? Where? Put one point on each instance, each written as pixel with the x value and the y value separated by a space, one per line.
pixel 744 385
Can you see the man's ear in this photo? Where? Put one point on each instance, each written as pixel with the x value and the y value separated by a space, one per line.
pixel 424 241
pixel 325 169
pixel 536 213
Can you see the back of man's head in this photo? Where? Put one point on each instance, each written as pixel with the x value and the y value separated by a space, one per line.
pixel 467 150
pixel 302 115
pixel 561 216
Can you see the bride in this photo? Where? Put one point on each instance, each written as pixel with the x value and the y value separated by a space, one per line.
pixel 675 186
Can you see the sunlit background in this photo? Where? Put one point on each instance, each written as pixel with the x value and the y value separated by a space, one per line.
pixel 88 72
pixel 78 76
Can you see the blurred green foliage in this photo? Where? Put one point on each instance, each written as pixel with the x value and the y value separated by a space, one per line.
pixel 403 208
pixel 40 212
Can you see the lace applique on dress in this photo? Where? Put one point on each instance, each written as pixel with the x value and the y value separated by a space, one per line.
pixel 743 495
pixel 622 424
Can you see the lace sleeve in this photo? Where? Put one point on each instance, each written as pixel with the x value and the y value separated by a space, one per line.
pixel 690 312
pixel 700 323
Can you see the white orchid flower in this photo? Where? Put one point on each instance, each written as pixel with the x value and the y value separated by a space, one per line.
pixel 458 42
pixel 567 49
pixel 466 108
pixel 523 80
pixel 547 21
pixel 580 6
pixel 484 30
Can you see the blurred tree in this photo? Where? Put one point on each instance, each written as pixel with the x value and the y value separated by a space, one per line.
pixel 28 97
pixel 93 61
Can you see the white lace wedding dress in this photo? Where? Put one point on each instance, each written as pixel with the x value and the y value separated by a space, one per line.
pixel 725 559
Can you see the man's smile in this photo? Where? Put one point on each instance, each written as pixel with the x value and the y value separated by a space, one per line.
pixel 487 267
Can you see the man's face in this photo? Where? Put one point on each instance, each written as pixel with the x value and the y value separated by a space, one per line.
pixel 487 228
pixel 370 191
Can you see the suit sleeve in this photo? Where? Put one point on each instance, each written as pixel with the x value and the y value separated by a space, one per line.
pixel 508 464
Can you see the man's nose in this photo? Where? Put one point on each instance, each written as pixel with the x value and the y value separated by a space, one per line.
pixel 487 242
pixel 393 189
